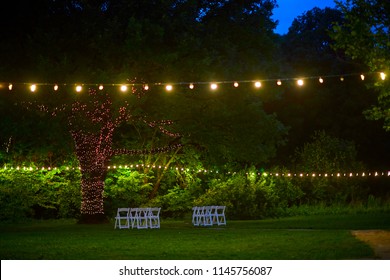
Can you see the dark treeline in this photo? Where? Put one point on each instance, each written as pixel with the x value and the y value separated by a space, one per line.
pixel 320 127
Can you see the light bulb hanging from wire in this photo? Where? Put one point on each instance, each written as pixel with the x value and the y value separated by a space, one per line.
pixel 33 88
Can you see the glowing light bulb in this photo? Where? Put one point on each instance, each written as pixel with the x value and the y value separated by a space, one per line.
pixel 191 86
pixel 235 84
pixel 146 87
pixel 300 82
pixel 383 76
pixel 101 87
pixel 342 79
pixel 362 77
pixel 258 84
pixel 10 86
pixel 55 87
pixel 123 88
pixel 279 82
pixel 79 88
pixel 169 87
pixel 213 86
pixel 33 88
pixel 321 80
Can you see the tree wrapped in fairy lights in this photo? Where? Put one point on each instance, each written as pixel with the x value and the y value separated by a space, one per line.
pixel 92 123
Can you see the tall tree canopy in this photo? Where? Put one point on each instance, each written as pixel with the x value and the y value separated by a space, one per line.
pixel 365 36
pixel 110 42
pixel 114 40
pixel 333 106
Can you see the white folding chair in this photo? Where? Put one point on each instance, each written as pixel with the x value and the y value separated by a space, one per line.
pixel 194 215
pixel 122 215
pixel 133 216
pixel 220 215
pixel 197 215
pixel 207 216
pixel 213 214
pixel 154 217
pixel 142 218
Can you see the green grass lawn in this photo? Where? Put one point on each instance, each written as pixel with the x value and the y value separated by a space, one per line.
pixel 296 238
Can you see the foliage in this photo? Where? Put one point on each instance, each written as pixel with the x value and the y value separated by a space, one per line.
pixel 56 193
pixel 135 41
pixel 327 153
pixel 249 196
pixel 331 155
pixel 126 187
pixel 154 41
pixel 334 106
pixel 307 44
pixel 40 194
pixel 364 36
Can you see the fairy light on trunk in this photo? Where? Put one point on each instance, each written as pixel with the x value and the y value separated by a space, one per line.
pixel 92 126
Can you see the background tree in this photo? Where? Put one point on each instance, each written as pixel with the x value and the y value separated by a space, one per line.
pixel 334 106
pixel 92 126
pixel 109 42
pixel 364 36
pixel 334 156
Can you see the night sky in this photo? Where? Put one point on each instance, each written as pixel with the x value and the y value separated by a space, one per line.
pixel 290 9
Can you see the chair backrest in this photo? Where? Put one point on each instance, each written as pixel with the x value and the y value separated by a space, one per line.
pixel 220 215
pixel 154 211
pixel 122 212
pixel 220 210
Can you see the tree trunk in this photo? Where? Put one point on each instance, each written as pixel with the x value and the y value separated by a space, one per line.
pixel 92 207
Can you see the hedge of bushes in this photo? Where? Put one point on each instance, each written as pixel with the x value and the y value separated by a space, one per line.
pixel 247 195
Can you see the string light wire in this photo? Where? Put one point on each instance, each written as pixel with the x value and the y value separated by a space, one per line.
pixel 213 85
pixel 135 166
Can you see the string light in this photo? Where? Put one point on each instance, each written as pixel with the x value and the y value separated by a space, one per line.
pixel 180 168
pixel 123 88
pixel 94 150
pixel 33 88
pixel 213 85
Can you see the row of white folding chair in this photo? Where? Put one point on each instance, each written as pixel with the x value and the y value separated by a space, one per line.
pixel 138 217
pixel 208 215
pixel 145 217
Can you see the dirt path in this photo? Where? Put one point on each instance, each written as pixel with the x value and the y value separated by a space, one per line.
pixel 379 240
